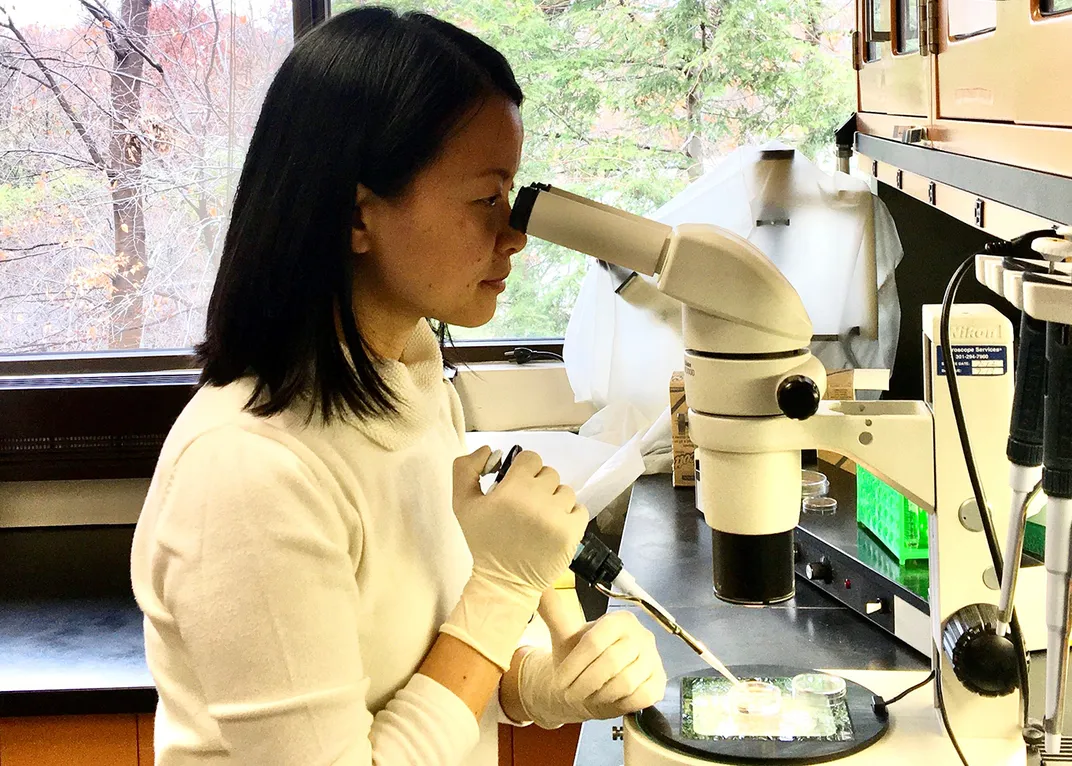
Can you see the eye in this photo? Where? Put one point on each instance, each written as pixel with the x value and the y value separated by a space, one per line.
pixel 491 201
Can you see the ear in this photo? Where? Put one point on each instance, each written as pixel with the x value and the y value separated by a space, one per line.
pixel 360 239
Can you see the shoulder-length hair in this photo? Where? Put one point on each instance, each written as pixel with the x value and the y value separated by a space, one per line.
pixel 368 97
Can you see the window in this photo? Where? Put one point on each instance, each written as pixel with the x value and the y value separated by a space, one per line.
pixel 116 173
pixel 1050 7
pixel 907 26
pixel 627 102
pixel 968 18
pixel 878 27
pixel 113 199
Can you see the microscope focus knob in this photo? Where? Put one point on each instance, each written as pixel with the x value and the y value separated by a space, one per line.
pixel 819 571
pixel 798 397
pixel 982 660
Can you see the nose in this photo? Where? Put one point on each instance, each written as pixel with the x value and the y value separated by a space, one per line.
pixel 510 240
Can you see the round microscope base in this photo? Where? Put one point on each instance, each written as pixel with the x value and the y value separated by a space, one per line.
pixel 656 736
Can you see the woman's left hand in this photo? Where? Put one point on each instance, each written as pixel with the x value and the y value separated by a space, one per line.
pixel 612 670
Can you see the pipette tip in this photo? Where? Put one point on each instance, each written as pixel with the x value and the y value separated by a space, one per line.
pixel 714 662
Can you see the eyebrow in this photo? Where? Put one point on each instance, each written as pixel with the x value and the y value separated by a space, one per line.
pixel 502 173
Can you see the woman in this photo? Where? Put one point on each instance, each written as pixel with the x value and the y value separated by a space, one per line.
pixel 323 580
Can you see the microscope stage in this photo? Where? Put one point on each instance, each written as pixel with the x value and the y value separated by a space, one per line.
pixel 914 734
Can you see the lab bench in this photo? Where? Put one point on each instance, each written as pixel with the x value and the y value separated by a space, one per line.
pixel 70 631
pixel 74 686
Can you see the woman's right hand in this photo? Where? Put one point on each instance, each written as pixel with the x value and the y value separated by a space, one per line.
pixel 525 531
pixel 522 535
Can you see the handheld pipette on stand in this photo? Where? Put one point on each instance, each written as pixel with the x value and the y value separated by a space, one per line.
pixel 1039 451
pixel 600 567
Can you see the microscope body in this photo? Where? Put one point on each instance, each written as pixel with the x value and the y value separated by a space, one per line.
pixel 754 393
pixel 750 464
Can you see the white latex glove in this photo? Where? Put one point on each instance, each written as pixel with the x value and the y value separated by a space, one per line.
pixel 614 669
pixel 523 535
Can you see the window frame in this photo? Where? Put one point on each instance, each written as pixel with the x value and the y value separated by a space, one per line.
pixel 965 36
pixel 1051 14
pixel 872 38
pixel 898 26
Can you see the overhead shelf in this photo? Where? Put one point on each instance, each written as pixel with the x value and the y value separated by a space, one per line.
pixel 1017 197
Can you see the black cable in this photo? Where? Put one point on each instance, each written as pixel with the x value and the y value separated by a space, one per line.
pixel 958 414
pixel 910 689
pixel 945 718
pixel 880 707
pixel 1016 634
pixel 524 355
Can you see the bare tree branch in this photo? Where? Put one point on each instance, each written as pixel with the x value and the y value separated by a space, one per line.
pixel 18 70
pixel 81 161
pixel 5 261
pixel 83 91
pixel 102 15
pixel 91 146
pixel 86 65
pixel 7 249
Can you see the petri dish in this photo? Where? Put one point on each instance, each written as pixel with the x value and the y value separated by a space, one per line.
pixel 813 483
pixel 819 505
pixel 755 698
pixel 818 687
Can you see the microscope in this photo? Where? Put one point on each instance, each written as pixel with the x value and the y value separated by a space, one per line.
pixel 754 393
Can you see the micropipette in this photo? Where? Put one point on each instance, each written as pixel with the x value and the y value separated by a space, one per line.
pixel 599 566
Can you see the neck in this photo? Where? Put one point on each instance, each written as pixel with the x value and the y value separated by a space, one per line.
pixel 386 334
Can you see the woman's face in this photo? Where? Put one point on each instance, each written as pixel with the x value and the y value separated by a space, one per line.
pixel 442 249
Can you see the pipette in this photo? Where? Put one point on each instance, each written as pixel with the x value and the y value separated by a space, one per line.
pixel 599 566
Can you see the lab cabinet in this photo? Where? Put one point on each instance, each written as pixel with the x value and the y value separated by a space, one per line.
pixel 533 746
pixel 1005 61
pixel 127 740
pixel 77 740
pixel 984 60
pixel 985 79
pixel 893 77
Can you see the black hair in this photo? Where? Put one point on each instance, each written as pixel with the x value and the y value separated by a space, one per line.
pixel 367 97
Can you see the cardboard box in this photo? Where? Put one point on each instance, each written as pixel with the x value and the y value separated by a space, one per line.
pixel 843 385
pixel 683 448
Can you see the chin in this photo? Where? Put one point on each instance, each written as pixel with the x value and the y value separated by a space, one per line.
pixel 470 322
pixel 469 318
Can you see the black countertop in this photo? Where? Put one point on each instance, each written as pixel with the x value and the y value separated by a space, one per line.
pixel 71 638
pixel 666 545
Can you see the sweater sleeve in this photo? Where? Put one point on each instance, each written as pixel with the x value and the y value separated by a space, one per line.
pixel 255 566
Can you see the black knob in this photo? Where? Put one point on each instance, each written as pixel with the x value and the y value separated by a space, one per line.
pixel 983 661
pixel 798 397
pixel 819 570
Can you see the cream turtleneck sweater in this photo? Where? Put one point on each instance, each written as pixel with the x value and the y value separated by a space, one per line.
pixel 293 577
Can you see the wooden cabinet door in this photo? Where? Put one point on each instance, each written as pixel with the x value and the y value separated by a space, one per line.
pixel 893 78
pixel 92 740
pixel 1005 61
pixel 534 746
pixel 145 740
